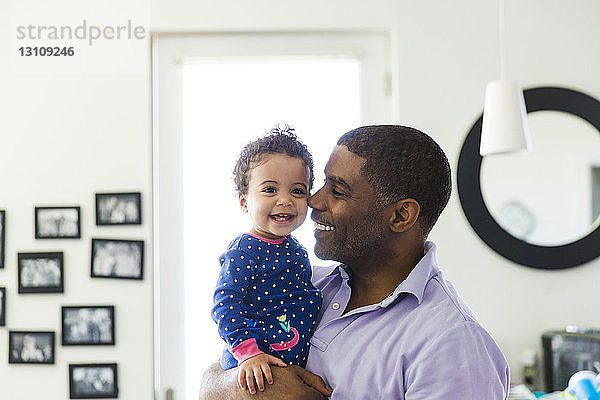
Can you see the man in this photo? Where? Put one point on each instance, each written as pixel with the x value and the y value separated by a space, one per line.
pixel 391 326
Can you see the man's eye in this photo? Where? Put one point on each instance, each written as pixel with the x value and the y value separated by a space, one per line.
pixel 269 190
pixel 336 192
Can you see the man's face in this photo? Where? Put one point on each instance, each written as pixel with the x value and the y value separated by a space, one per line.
pixel 348 223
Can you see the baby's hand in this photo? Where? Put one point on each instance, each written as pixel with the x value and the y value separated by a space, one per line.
pixel 254 367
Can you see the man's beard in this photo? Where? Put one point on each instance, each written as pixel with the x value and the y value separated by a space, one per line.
pixel 362 238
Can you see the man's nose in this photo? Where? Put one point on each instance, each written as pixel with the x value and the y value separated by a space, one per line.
pixel 316 200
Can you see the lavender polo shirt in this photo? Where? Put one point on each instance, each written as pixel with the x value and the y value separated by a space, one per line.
pixel 420 343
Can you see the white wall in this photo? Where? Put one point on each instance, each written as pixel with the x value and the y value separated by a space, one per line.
pixel 65 136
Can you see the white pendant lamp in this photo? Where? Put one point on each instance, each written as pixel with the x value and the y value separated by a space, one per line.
pixel 504 128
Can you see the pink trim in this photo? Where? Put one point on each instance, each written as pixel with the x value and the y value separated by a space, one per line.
pixel 245 350
pixel 286 345
pixel 272 241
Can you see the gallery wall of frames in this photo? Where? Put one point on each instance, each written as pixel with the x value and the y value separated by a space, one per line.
pixel 42 272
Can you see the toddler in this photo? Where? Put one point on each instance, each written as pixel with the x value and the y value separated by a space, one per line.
pixel 265 305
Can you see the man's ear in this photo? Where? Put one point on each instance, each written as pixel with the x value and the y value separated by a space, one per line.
pixel 243 202
pixel 405 214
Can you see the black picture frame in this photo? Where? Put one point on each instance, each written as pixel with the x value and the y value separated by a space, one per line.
pixel 2 237
pixel 117 259
pixel 93 381
pixel 31 347
pixel 58 222
pixel 88 325
pixel 479 217
pixel 40 272
pixel 119 208
pixel 2 306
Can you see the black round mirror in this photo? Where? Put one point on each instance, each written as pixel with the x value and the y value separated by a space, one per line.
pixel 487 228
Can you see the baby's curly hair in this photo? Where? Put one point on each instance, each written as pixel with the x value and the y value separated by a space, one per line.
pixel 277 141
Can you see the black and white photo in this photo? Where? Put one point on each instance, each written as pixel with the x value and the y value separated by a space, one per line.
pixel 116 258
pixel 57 222
pixel 118 208
pixel 2 239
pixel 93 381
pixel 30 347
pixel 2 306
pixel 88 325
pixel 40 272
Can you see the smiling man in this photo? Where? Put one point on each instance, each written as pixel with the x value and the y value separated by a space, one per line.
pixel 391 325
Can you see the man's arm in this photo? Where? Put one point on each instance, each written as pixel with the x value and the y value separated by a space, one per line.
pixel 289 383
pixel 463 363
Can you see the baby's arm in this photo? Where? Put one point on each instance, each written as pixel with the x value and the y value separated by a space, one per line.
pixel 229 311
pixel 253 369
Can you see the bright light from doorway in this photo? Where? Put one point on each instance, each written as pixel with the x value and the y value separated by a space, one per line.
pixel 227 103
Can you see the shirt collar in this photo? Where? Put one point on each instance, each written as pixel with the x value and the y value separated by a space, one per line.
pixel 414 283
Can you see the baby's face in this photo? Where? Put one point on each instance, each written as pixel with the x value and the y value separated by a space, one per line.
pixel 277 198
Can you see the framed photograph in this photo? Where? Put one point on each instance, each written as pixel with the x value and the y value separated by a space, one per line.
pixel 116 258
pixel 93 381
pixel 2 233
pixel 88 325
pixel 30 347
pixel 57 222
pixel 119 208
pixel 2 306
pixel 41 272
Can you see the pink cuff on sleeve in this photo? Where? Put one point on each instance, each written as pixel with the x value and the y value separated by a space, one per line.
pixel 243 351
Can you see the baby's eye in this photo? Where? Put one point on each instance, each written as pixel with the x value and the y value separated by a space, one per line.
pixel 269 189
pixel 299 191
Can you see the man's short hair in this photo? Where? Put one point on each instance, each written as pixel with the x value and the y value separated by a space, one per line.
pixel 403 162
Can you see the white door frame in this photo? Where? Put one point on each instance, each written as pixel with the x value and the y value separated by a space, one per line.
pixel 169 53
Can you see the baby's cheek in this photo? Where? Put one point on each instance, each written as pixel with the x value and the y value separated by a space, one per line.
pixel 303 210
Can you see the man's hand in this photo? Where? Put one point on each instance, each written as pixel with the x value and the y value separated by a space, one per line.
pixel 290 383
pixel 312 380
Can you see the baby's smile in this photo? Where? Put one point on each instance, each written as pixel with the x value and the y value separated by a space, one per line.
pixel 282 218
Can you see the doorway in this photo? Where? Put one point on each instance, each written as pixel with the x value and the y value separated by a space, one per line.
pixel 213 94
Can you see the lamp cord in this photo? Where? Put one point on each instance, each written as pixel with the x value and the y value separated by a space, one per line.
pixel 502 38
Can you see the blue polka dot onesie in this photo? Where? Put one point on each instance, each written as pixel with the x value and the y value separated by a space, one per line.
pixel 265 301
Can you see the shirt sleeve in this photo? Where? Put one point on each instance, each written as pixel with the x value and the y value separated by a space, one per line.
pixel 463 363
pixel 229 311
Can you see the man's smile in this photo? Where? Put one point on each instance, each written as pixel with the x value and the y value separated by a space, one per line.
pixel 323 227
